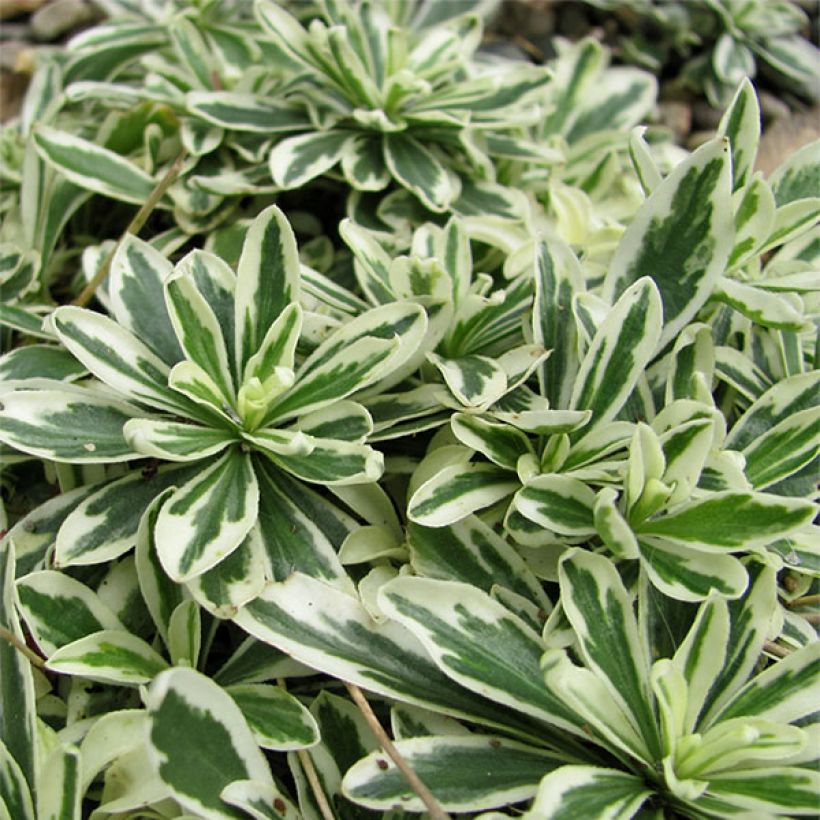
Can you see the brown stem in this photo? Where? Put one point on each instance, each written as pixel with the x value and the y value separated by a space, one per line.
pixel 134 227
pixel 425 795
pixel 311 775
pixel 33 658
pixel 806 600
pixel 776 649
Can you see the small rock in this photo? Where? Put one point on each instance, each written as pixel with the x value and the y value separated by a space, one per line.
pixel 13 8
pixel 60 17
pixel 773 108
pixel 10 53
pixel 697 138
pixel 12 90
pixel 677 116
pixel 704 116
pixel 14 31
pixel 785 137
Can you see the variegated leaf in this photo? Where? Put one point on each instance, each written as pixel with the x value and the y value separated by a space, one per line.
pixel 135 288
pixel 329 630
pixel 15 795
pixel 558 503
pixel 769 791
pixel 458 490
pixel 18 711
pixel 246 112
pixel 226 587
pixel 464 773
pixel 198 330
pixel 302 531
pixel 741 124
pixel 175 441
pixel 419 171
pixel 109 656
pixel 588 791
pixel 276 718
pixel 117 357
pixel 472 552
pixel 500 443
pixel 730 521
pixel 683 255
pixel 476 381
pixel 783 692
pixel 193 719
pixel 207 518
pixel 599 609
pixel 112 735
pixel 75 426
pixel 473 639
pixel 104 525
pixel 262 801
pixel 297 160
pixel 796 178
pixel 93 167
pixel 690 574
pixel 58 609
pixel 619 353
pixel 59 796
pixel 267 280
pixel 184 633
pixel 40 361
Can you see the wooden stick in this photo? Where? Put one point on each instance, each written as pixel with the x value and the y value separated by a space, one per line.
pixel 33 658
pixel 134 227
pixel 311 775
pixel 425 795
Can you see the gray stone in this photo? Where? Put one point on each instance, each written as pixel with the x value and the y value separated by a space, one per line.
pixel 60 17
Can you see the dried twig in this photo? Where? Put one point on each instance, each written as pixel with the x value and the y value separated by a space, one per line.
pixel 425 795
pixel 33 658
pixel 134 227
pixel 311 775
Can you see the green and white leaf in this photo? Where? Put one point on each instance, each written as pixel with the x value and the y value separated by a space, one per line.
pixel 600 611
pixel 464 773
pixel 478 643
pixel 415 168
pixel 135 289
pixel 730 521
pixel 109 656
pixel 93 167
pixel 251 113
pixel 276 718
pixel 58 610
pixel 184 634
pixel 175 441
pixel 683 254
pixel 297 160
pixel 104 525
pixel 199 741
pixel 458 490
pixel 588 791
pixel 207 518
pixel 75 426
pixel 558 503
pixel 619 353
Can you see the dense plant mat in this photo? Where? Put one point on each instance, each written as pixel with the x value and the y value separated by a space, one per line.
pixel 359 381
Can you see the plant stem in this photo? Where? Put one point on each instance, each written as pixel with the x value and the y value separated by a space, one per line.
pixel 806 600
pixel 425 795
pixel 776 649
pixel 33 658
pixel 311 775
pixel 134 227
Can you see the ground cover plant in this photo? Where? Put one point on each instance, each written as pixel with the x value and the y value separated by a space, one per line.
pixel 391 426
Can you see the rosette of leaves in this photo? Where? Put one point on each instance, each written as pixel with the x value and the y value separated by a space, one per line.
pixel 389 103
pixel 674 695
pixel 199 369
pixel 723 41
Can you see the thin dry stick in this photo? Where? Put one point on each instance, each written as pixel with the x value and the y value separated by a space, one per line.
pixel 425 795
pixel 33 658
pixel 776 649
pixel 806 600
pixel 135 226
pixel 310 773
